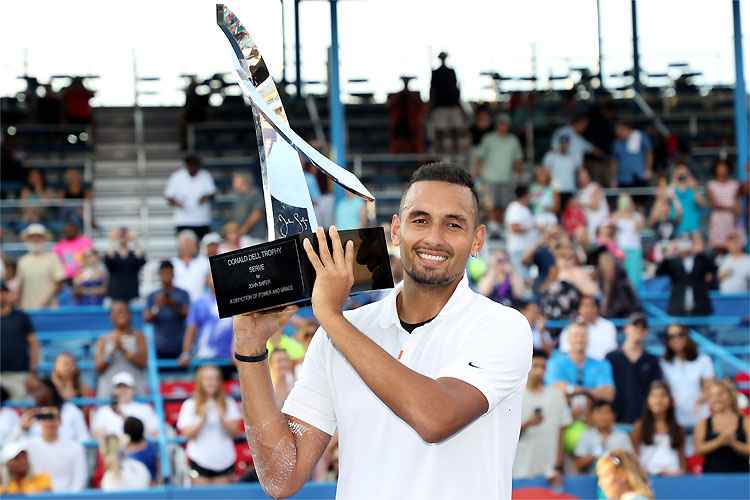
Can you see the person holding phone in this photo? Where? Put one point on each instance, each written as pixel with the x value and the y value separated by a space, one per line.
pixel 545 415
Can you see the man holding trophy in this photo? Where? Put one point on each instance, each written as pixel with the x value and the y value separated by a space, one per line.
pixel 424 387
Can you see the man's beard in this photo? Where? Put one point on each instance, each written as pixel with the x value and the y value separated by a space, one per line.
pixel 432 280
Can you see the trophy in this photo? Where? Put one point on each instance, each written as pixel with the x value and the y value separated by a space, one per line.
pixel 278 273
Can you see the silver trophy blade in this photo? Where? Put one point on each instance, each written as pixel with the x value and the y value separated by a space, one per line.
pixel 285 190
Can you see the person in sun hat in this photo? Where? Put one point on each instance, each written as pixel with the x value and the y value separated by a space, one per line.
pixel 20 479
pixel 40 273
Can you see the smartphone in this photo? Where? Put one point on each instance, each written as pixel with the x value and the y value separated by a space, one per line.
pixel 537 412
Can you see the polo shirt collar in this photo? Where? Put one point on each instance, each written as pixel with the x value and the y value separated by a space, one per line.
pixel 389 312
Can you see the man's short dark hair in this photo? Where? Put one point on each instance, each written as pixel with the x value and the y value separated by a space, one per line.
pixel 601 403
pixel 165 264
pixel 133 428
pixel 521 191
pixel 443 172
pixel 538 353
pixel 193 159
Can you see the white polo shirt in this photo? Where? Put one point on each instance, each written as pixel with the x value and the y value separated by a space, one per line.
pixel 602 339
pixel 188 190
pixel 382 457
pixel 191 276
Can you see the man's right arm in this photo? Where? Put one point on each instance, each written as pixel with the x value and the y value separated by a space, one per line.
pixel 285 448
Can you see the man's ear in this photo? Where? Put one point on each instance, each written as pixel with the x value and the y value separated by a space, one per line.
pixel 479 236
pixel 395 227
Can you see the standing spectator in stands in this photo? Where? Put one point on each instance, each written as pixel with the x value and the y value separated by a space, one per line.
pixel 90 283
pixel 109 419
pixel 690 272
pixel 542 339
pixel 724 437
pixel 40 273
pixel 72 422
pixel 209 421
pixel 121 472
pixel 619 299
pixel 62 458
pixel 629 224
pixel 75 190
pixel 139 449
pixel 20 348
pixel 723 198
pixel 212 335
pixel 520 229
pixel 632 157
pixel 501 282
pixel 734 271
pixel 71 249
pixel 657 437
pixel 688 373
pixel 591 198
pixel 602 334
pixel 482 124
pixel 282 374
pixel 67 377
pixel 634 371
pixel 446 116
pixel 579 146
pixel 499 162
pixel 121 350
pixel 562 165
pixel 233 239
pixel 600 438
pixel 167 309
pixel 541 255
pixel 575 373
pixel 544 199
pixel 248 210
pixel 9 420
pixel 190 191
pixel 665 215
pixel 621 476
pixel 190 267
pixel 688 194
pixel 76 105
pixel 123 260
pixel 351 212
pixel 36 190
pixel 20 479
pixel 545 415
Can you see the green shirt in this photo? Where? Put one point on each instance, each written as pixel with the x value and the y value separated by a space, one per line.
pixel 497 154
pixel 294 349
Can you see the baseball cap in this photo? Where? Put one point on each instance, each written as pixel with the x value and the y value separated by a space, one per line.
pixel 34 229
pixel 11 450
pixel 638 319
pixel 211 238
pixel 123 378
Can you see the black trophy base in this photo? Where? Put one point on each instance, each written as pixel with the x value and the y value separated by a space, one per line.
pixel 278 273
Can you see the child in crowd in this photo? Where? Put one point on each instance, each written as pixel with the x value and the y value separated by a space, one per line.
pixel 600 438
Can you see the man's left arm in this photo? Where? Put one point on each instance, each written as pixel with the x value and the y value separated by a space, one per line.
pixel 605 383
pixel 80 470
pixel 434 408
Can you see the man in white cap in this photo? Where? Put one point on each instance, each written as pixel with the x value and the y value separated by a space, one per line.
pixel 110 419
pixel 21 479
pixel 40 272
pixel 64 460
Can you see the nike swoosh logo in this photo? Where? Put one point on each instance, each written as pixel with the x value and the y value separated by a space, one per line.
pixel 473 365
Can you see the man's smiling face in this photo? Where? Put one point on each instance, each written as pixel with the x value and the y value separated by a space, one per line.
pixel 437 229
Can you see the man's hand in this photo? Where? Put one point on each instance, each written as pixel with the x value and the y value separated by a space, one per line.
pixel 334 274
pixel 252 331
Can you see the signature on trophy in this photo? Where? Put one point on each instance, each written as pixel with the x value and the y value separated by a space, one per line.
pixel 299 224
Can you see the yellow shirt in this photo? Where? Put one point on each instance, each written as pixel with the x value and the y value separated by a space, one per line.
pixel 37 483
pixel 38 275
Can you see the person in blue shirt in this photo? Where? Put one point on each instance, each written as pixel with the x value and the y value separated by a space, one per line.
pixel 212 335
pixel 167 309
pixel 632 157
pixel 574 373
pixel 139 449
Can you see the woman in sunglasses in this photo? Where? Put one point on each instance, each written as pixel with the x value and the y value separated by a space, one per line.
pixel 687 372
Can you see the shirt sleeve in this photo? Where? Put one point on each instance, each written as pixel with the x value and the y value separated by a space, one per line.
pixel 310 399
pixel 604 374
pixel 77 422
pixel 495 362
pixel 233 409
pixel 584 446
pixel 58 271
pixel 646 143
pixel 187 414
pixel 80 471
pixel 171 189
pixel 707 367
pixel 517 151
pixel 553 373
pixel 210 186
pixel 193 318
pixel 27 326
